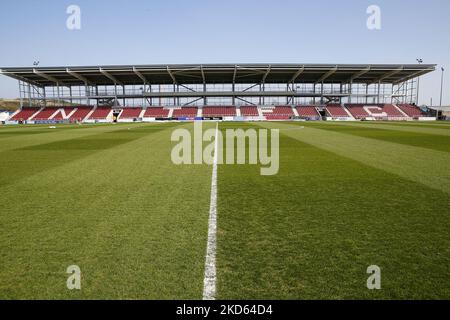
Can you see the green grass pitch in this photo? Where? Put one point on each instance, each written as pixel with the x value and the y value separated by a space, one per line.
pixel 108 199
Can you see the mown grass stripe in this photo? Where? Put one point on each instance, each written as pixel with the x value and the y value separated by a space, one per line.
pixel 39 157
pixel 134 222
pixel 311 231
pixel 412 163
pixel 406 128
pixel 61 133
pixel 428 141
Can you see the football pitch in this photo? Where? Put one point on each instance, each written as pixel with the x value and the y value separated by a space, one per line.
pixel 109 199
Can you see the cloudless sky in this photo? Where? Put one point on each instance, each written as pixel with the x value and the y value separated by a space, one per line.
pixel 231 31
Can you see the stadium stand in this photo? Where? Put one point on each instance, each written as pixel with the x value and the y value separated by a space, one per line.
pixel 218 85
pixel 186 112
pixel 392 111
pixel 280 113
pixel 357 111
pixel 307 111
pixel 374 110
pixel 24 114
pixel 249 111
pixel 283 111
pixel 131 113
pixel 60 116
pixel 222 111
pixel 156 112
pixel 411 111
pixel 46 113
pixel 384 111
pixel 100 113
pixel 80 113
pixel 336 110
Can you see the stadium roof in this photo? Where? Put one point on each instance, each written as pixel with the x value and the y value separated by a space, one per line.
pixel 218 73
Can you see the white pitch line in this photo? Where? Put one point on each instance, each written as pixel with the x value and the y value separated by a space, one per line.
pixel 209 282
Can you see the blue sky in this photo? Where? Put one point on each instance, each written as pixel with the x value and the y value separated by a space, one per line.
pixel 232 31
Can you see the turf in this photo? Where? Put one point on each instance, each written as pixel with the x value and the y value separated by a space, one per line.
pixel 109 199
pixel 339 204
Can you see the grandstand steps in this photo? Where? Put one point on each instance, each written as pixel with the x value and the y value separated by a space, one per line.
pixel 35 114
pixel 413 111
pixel 25 114
pixel 308 111
pixel 265 110
pixel 110 116
pixel 260 111
pixel 129 113
pixel 348 112
pixel 250 111
pixel 54 114
pixel 59 111
pixel 89 114
pixel 401 111
pixel 14 113
pixel 338 111
pixel 102 114
pixel 268 112
pixel 49 113
pixel 68 115
pixel 158 112
pixel 318 112
pixel 219 111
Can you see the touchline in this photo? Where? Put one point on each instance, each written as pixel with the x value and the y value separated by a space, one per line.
pixel 238 144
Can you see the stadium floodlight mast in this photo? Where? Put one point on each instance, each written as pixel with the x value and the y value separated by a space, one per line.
pixel 419 61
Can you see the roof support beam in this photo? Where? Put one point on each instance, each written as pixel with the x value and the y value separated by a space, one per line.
pixel 388 74
pixel 174 72
pixel 298 73
pixel 327 75
pixel 266 74
pixel 20 78
pixel 414 75
pixel 235 74
pixel 203 74
pixel 172 75
pixel 49 78
pixel 233 85
pixel 110 76
pixel 256 71
pixel 205 99
pixel 79 76
pixel 359 74
pixel 140 75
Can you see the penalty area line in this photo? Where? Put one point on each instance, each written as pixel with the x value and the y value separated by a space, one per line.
pixel 209 282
